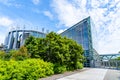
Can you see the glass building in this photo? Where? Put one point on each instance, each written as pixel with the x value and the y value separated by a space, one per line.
pixel 16 38
pixel 84 33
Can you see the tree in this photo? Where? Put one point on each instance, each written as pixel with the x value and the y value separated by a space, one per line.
pixel 118 58
pixel 19 54
pixel 56 49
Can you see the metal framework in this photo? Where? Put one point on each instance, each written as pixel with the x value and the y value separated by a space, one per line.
pixel 108 61
pixel 108 56
pixel 112 64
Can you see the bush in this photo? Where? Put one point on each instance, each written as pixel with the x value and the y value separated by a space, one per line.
pixel 30 69
pixel 19 54
pixel 79 65
pixel 9 55
pixel 2 54
pixel 59 69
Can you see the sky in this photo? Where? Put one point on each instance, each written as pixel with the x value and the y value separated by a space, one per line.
pixel 59 15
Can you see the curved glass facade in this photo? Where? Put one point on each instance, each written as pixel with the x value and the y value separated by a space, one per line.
pixel 83 33
pixel 16 38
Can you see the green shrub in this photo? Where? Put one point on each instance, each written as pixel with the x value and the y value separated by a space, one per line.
pixel 8 55
pixel 118 58
pixel 79 65
pixel 2 54
pixel 30 69
pixel 59 69
pixel 19 54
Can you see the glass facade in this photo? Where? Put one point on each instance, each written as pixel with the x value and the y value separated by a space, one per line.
pixel 16 38
pixel 83 33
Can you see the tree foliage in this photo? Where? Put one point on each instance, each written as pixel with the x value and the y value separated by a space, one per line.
pixel 118 58
pixel 56 49
pixel 19 54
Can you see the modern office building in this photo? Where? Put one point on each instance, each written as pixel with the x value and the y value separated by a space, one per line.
pixel 85 34
pixel 16 38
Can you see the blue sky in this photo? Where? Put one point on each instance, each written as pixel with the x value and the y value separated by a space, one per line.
pixel 58 15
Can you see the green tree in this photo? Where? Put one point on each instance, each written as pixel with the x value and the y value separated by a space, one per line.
pixel 56 49
pixel 19 54
pixel 118 58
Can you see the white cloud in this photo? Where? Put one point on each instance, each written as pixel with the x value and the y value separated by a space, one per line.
pixel 36 2
pixel 109 47
pixel 105 14
pixel 2 36
pixel 48 14
pixel 6 22
pixel 11 3
pixel 60 31
pixel 67 13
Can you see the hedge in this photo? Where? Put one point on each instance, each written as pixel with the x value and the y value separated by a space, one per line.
pixel 30 69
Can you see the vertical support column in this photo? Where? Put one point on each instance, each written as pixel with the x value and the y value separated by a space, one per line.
pixel 10 40
pixel 109 64
pixel 16 38
pixel 22 40
pixel 116 64
pixel 105 64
